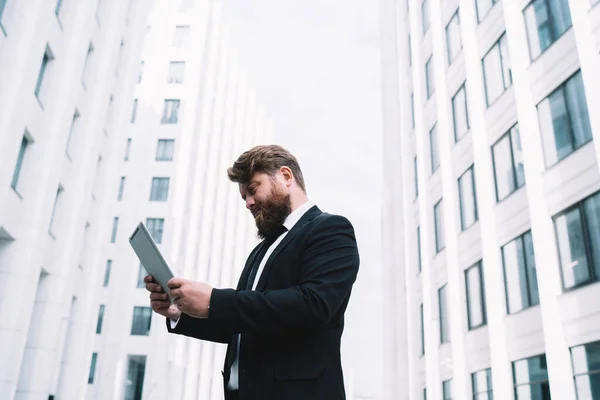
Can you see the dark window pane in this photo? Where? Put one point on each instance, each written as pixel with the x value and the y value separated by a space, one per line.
pixel 588 387
pixel 468 201
pixel 142 319
pixel 578 111
pixel 134 384
pixel 586 358
pixel 443 310
pixel 503 168
pixel 591 207
pixel 534 296
pixel 440 238
pixel 517 156
pixel 573 259
pixel 475 297
pixel 515 275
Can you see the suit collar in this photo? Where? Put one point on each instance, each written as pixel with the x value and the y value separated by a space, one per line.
pixel 297 214
pixel 308 216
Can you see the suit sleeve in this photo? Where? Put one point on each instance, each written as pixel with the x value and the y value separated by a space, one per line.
pixel 329 268
pixel 199 328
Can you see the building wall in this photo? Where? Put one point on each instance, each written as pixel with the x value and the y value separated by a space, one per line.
pixel 48 265
pixel 564 317
pixel 207 231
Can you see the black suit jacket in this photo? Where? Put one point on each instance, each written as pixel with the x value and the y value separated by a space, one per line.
pixel 291 326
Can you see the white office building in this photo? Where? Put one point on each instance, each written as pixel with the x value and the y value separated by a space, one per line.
pixel 492 202
pixel 67 71
pixel 192 113
pixel 91 142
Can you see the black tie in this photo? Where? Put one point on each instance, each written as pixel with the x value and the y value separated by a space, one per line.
pixel 261 254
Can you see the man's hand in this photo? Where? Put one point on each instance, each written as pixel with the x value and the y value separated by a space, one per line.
pixel 192 298
pixel 159 300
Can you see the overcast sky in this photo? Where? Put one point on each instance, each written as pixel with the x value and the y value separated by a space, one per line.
pixel 315 65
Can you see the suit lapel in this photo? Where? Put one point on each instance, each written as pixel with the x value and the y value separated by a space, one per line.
pixel 307 217
pixel 249 263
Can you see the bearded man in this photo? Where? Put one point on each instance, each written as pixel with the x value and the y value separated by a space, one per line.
pixel 284 321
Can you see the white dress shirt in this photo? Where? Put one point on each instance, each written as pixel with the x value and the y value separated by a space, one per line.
pixel 289 223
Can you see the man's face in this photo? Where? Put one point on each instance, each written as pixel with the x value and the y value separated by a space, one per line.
pixel 269 202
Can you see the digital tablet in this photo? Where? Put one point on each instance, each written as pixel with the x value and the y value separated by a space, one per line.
pixel 150 257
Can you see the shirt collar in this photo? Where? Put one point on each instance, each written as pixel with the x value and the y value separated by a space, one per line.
pixel 295 215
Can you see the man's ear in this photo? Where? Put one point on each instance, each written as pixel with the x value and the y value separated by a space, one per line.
pixel 287 174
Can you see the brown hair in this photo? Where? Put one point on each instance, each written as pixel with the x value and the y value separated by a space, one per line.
pixel 267 159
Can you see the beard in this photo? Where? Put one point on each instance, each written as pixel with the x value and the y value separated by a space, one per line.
pixel 270 214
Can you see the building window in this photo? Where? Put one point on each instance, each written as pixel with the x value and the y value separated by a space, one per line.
pixel 443 310
pixel 107 273
pixel 46 59
pixel 141 71
pixel 419 264
pixel 176 72
pixel 100 319
pixel 141 275
pixel 134 111
pixel 460 114
pixel 142 318
pixel 412 109
pixel 483 8
pixel 416 178
pixel 453 40
pixel 578 237
pixel 181 37
pixel 127 149
pixel 170 112
pixel 468 199
pixel 422 322
pixel 165 149
pixel 160 189
pixel 546 21
pixel 25 142
pixel 586 370
pixel 429 78
pixel 520 274
pixel 507 157
pixel 475 296
pixel 56 199
pixel 496 70
pixel 121 188
pixel 530 377
pixel 71 129
pixel 86 63
pixel 447 390
pixel 113 236
pixel 155 227
pixel 93 368
pixel 424 393
pixel 438 218
pixel 134 384
pixel 564 120
pixel 433 148
pixel 482 385
pixel 425 15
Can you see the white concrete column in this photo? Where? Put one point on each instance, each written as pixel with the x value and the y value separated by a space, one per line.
pixel 546 255
pixel 484 179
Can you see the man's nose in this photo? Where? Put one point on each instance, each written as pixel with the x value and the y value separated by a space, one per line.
pixel 249 202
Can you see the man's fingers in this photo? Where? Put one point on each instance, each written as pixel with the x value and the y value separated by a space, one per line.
pixel 158 296
pixel 148 279
pixel 153 287
pixel 175 283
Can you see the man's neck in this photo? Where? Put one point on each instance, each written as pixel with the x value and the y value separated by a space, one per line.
pixel 297 202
